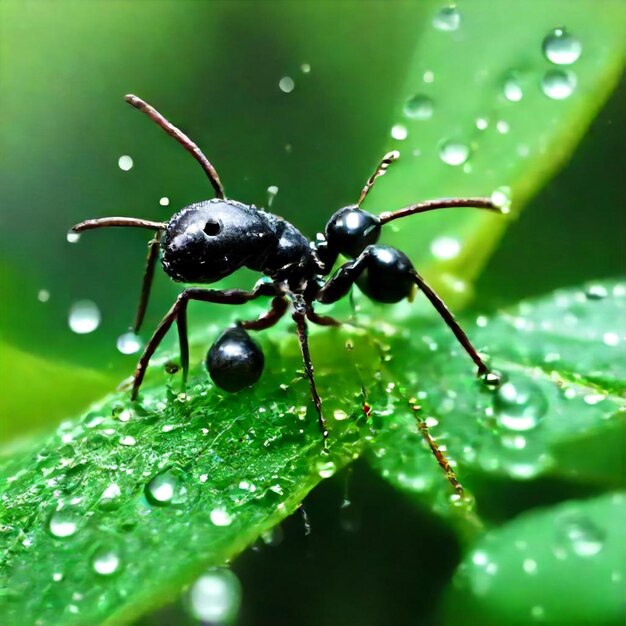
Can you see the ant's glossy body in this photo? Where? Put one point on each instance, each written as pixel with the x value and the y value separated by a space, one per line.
pixel 210 240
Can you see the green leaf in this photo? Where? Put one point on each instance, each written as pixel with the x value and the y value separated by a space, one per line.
pixel 559 565
pixel 460 74
pixel 559 411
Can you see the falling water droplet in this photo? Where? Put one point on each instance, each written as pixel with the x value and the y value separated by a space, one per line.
pixel 418 107
pixel 447 19
pixel 454 152
pixel 561 48
pixel 445 248
pixel 162 489
pixel 43 295
pixel 578 534
pixel 519 405
pixel 72 237
pixel 129 343
pixel 215 598
pixel 84 317
pixel 558 84
pixel 63 523
pixel 105 561
pixel 272 190
pixel 512 89
pixel 164 201
pixel 399 132
pixel 286 84
pixel 125 163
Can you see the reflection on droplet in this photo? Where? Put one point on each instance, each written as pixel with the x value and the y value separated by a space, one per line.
pixel 418 107
pixel 125 163
pixel 578 534
pixel 129 343
pixel 84 317
pixel 399 132
pixel 519 405
pixel 512 89
pixel 447 19
pixel 558 84
pixel 105 561
pixel 454 152
pixel 286 84
pixel 164 201
pixel 43 295
pixel 220 517
pixel 215 598
pixel 161 489
pixel 63 523
pixel 445 248
pixel 561 48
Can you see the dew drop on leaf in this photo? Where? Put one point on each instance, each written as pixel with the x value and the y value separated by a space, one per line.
pixel 561 48
pixel 418 107
pixel 558 84
pixel 399 132
pixel 519 405
pixel 163 489
pixel 63 523
pixel 454 152
pixel 105 561
pixel 447 19
pixel 576 534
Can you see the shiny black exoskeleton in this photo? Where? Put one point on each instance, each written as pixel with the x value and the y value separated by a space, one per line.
pixel 210 240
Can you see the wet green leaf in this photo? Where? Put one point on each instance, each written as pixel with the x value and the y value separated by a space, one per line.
pixel 559 411
pixel 559 565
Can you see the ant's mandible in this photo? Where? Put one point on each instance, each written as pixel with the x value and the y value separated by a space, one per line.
pixel 210 240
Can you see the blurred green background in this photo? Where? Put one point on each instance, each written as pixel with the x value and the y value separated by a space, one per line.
pixel 214 69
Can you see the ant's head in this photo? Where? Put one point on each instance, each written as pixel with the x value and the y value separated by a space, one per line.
pixel 207 241
pixel 351 229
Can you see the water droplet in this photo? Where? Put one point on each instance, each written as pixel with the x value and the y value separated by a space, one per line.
pixel 43 295
pixel 512 89
pixel 63 523
pixel 501 197
pixel 326 469
pixel 57 577
pixel 418 107
pixel 162 489
pixel 596 292
pixel 428 76
pixel 84 317
pixel 481 123
pixel 125 163
pixel 519 405
pixel 105 561
pixel 110 497
pixel 558 84
pixel 578 534
pixel 447 19
pixel 128 440
pixel 399 132
pixel 561 48
pixel 502 127
pixel 445 248
pixel 72 237
pixel 220 517
pixel 129 343
pixel 215 597
pixel 454 152
pixel 529 566
pixel 164 201
pixel 610 339
pixel 286 84
pixel 492 378
pixel 305 68
pixel 272 190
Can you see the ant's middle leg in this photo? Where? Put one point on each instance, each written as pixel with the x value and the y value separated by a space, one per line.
pixel 178 312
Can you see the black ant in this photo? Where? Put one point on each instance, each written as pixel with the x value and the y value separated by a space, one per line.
pixel 210 240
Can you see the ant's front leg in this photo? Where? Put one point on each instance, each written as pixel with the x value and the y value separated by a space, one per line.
pixel 178 312
pixel 339 284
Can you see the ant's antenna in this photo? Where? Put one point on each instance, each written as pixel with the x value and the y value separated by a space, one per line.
pixel 445 203
pixel 189 145
pixel 104 222
pixel 386 161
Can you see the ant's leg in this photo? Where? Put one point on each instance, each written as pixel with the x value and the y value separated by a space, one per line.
pixel 322 320
pixel 299 317
pixel 448 318
pixel 148 275
pixel 278 308
pixel 339 284
pixel 178 310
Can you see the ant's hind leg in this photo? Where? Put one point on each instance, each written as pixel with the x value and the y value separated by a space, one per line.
pixel 277 309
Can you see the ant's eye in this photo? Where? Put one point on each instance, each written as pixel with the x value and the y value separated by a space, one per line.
pixel 212 228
